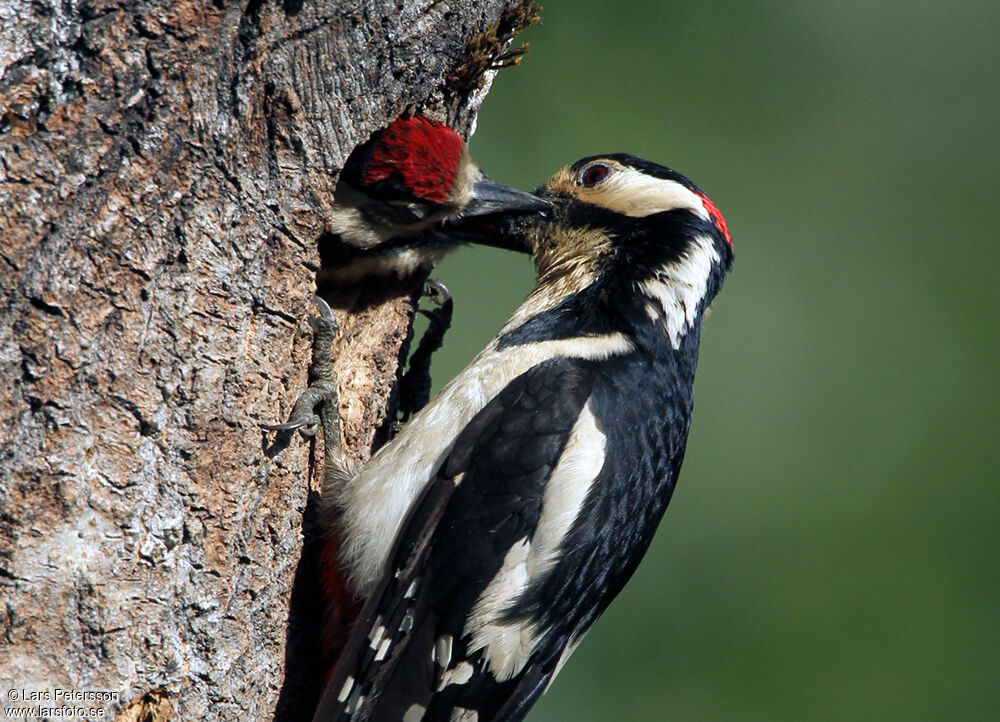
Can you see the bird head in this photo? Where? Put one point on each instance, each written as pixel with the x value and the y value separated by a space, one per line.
pixel 416 173
pixel 639 235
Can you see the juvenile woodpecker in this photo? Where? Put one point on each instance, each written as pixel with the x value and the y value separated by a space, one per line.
pixel 503 519
pixel 408 195
pixel 404 198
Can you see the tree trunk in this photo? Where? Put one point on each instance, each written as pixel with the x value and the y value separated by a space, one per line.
pixel 166 169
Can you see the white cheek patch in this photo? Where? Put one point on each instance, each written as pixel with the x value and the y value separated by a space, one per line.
pixel 637 194
pixel 675 291
pixel 348 223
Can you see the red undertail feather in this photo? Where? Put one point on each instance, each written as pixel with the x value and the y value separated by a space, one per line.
pixel 423 153
pixel 340 607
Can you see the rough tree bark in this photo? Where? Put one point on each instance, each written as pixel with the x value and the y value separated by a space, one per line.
pixel 166 170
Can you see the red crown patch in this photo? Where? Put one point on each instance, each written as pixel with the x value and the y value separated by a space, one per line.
pixel 423 154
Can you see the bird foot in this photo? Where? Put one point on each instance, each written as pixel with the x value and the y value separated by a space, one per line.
pixel 318 406
pixel 415 386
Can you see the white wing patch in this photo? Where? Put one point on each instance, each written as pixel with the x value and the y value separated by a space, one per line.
pixel 375 638
pixel 676 289
pixel 566 490
pixel 442 651
pixel 461 674
pixel 375 501
pixel 415 713
pixel 346 689
pixel 507 646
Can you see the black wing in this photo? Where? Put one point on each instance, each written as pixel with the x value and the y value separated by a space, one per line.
pixel 408 657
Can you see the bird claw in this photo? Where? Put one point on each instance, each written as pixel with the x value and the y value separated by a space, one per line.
pixel 322 390
pixel 289 426
pixel 437 292
pixel 325 318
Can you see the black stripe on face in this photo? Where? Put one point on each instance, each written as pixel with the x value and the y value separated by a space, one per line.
pixel 639 245
pixel 611 303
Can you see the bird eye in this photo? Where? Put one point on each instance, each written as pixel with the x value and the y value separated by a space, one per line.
pixel 594 174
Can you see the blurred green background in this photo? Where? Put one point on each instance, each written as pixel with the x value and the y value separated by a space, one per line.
pixel 832 551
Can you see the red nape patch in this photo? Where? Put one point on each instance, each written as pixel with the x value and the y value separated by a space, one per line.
pixel 720 222
pixel 423 154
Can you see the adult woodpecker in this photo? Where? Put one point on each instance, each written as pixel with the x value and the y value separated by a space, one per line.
pixel 408 195
pixel 500 523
